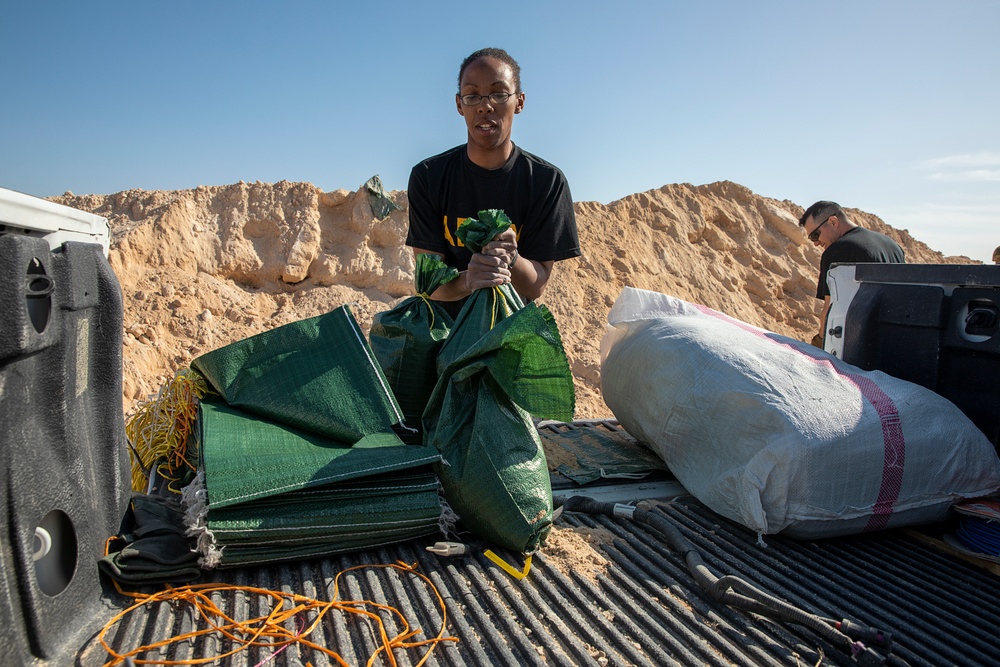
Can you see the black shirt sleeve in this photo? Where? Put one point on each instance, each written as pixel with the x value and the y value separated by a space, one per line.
pixel 424 230
pixel 552 234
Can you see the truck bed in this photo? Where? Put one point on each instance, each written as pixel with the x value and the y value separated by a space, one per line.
pixel 620 596
pixel 631 602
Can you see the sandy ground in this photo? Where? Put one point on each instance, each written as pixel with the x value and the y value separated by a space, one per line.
pixel 202 268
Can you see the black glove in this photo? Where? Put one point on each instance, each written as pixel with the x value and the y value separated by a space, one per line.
pixel 153 548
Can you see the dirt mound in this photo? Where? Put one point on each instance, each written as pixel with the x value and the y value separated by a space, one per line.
pixel 202 268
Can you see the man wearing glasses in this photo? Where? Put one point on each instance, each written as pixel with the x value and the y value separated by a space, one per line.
pixel 828 227
pixel 490 172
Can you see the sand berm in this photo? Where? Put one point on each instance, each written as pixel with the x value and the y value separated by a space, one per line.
pixel 205 267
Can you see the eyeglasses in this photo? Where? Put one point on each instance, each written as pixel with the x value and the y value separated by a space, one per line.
pixel 814 234
pixel 495 98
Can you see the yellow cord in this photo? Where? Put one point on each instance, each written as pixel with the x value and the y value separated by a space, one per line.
pixel 427 300
pixel 269 631
pixel 497 295
pixel 160 428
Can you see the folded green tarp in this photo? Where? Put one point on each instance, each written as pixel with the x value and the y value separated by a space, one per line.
pixel 597 453
pixel 293 526
pixel 298 455
pixel 317 374
pixel 245 457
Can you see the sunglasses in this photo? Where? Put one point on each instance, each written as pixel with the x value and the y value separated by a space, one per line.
pixel 814 234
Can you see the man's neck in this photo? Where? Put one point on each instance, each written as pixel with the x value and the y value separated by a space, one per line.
pixel 490 159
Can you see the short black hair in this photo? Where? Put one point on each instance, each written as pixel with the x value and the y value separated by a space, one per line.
pixel 822 209
pixel 500 55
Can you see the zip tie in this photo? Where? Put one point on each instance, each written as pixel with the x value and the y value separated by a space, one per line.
pixel 506 567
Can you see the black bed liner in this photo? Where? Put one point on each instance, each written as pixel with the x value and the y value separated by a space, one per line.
pixel 642 608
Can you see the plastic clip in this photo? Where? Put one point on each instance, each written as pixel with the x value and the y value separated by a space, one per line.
pixel 448 549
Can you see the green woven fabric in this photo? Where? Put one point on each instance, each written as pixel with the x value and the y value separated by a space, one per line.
pixel 362 514
pixel 298 456
pixel 317 374
pixel 299 519
pixel 241 555
pixel 245 457
pixel 485 307
pixel 502 363
pixel 406 340
pixel 494 471
pixel 600 454
pixel 380 203
pixel 476 232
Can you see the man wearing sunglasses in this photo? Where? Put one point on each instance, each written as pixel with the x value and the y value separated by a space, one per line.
pixel 843 242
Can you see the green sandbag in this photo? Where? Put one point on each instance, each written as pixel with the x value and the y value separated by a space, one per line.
pixel 366 513
pixel 379 201
pixel 256 554
pixel 484 307
pixel 406 340
pixel 494 472
pixel 298 454
pixel 317 374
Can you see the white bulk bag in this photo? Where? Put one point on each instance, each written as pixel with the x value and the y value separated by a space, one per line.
pixel 779 435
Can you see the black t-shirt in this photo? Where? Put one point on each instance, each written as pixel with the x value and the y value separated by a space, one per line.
pixel 448 188
pixel 857 246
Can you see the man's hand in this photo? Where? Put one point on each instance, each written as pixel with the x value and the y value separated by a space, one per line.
pixel 486 271
pixel 492 266
pixel 504 246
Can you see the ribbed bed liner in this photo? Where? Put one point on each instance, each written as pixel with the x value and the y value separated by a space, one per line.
pixel 645 609
pixel 641 607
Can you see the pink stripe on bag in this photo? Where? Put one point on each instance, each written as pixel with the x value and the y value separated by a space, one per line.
pixel 894 443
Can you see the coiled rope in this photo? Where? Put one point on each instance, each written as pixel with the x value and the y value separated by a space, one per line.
pixel 270 631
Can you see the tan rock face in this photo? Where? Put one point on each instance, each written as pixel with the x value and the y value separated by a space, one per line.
pixel 205 267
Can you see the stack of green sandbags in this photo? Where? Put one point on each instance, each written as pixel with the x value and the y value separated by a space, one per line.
pixel 298 451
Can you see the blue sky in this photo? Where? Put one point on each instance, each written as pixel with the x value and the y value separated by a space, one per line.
pixel 892 107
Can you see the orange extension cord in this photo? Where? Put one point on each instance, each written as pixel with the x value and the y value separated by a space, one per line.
pixel 254 632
